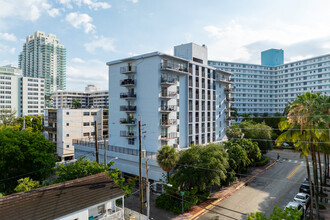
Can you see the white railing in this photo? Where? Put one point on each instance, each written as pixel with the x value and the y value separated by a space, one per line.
pixel 118 214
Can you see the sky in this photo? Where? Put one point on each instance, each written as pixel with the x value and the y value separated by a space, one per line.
pixel 97 31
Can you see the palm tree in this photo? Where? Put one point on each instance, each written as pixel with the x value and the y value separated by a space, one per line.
pixel 167 159
pixel 76 104
pixel 303 114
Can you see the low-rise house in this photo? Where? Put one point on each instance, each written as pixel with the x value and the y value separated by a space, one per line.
pixel 88 198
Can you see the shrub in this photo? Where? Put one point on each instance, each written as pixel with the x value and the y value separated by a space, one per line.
pixel 264 160
pixel 174 202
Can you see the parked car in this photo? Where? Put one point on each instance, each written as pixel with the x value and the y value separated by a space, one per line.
pixel 297 205
pixel 305 188
pixel 302 198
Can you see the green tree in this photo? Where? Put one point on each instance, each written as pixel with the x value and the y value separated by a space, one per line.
pixel 26 184
pixel 277 214
pixel 201 167
pixel 83 167
pixel 76 104
pixel 167 157
pixel 238 157
pixel 33 123
pixel 7 117
pixel 234 132
pixel 22 154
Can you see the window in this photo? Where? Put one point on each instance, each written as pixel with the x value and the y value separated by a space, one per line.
pixel 68 135
pixel 93 113
pixel 131 141
pixel 86 134
pixel 67 113
pixel 86 123
pixel 67 124
pixel 67 146
pixel 101 209
pixel 86 113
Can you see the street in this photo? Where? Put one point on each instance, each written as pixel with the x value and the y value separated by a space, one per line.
pixel 276 187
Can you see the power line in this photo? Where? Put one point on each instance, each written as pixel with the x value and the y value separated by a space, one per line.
pixel 291 116
pixel 277 129
pixel 282 140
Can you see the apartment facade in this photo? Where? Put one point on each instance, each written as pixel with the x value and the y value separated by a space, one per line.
pixel 64 125
pixel 180 100
pixel 93 97
pixel 269 87
pixel 25 95
pixel 44 57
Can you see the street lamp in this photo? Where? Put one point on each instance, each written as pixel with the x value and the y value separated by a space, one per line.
pixel 148 195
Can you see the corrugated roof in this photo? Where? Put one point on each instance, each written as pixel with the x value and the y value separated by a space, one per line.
pixel 60 199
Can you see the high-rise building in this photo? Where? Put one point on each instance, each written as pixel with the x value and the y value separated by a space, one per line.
pixel 93 97
pixel 180 100
pixel 268 88
pixel 24 95
pixel 44 57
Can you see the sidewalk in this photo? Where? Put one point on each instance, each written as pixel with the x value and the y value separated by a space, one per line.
pixel 224 193
pixel 325 214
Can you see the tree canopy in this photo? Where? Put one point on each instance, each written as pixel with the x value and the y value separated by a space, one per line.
pixel 277 214
pixel 24 154
pixel 167 158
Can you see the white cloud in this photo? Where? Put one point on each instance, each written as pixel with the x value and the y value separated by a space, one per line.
pixel 90 72
pixel 8 37
pixel 104 43
pixel 236 40
pixel 81 20
pixel 91 4
pixel 4 49
pixel 26 10
pixel 77 60
pixel 134 1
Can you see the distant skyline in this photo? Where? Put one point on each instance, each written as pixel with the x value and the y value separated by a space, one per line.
pixel 97 31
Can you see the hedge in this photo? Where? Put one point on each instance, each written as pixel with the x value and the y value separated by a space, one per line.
pixel 264 160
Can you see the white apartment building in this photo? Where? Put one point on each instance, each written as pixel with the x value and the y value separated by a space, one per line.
pixel 25 95
pixel 64 125
pixel 268 88
pixel 44 57
pixel 180 100
pixel 93 97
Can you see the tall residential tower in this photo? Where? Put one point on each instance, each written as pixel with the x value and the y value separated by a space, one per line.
pixel 44 57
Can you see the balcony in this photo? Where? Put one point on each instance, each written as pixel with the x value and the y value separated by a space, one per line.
pixel 128 82
pixel 173 67
pixel 224 80
pixel 168 108
pixel 128 121
pixel 50 129
pixel 128 108
pixel 229 118
pixel 127 95
pixel 168 95
pixel 167 81
pixel 169 135
pixel 168 122
pixel 50 118
pixel 128 70
pixel 228 90
pixel 230 99
pixel 128 134
pixel 118 213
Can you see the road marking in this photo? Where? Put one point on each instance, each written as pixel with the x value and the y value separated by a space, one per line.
pixel 296 161
pixel 289 161
pixel 293 172
pixel 271 165
pixel 301 161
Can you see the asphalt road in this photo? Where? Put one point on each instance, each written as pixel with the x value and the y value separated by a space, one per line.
pixel 276 187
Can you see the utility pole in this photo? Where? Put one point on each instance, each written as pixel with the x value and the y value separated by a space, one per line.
pixel 105 150
pixel 147 191
pixel 140 169
pixel 96 143
pixel 23 122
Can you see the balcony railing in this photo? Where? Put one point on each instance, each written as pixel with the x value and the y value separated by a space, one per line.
pixel 50 118
pixel 168 108
pixel 229 118
pixel 127 95
pixel 127 82
pixel 173 67
pixel 52 129
pixel 228 90
pixel 169 135
pixel 128 108
pixel 230 99
pixel 168 95
pixel 127 134
pixel 168 122
pixel 167 81
pixel 128 121
pixel 127 69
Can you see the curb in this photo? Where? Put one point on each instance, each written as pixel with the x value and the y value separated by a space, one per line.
pixel 271 165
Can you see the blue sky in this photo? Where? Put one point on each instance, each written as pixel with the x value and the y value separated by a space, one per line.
pixel 97 31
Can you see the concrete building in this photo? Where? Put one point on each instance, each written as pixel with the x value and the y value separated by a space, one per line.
pixel 180 99
pixel 93 97
pixel 267 88
pixel 64 125
pixel 44 57
pixel 92 197
pixel 25 95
